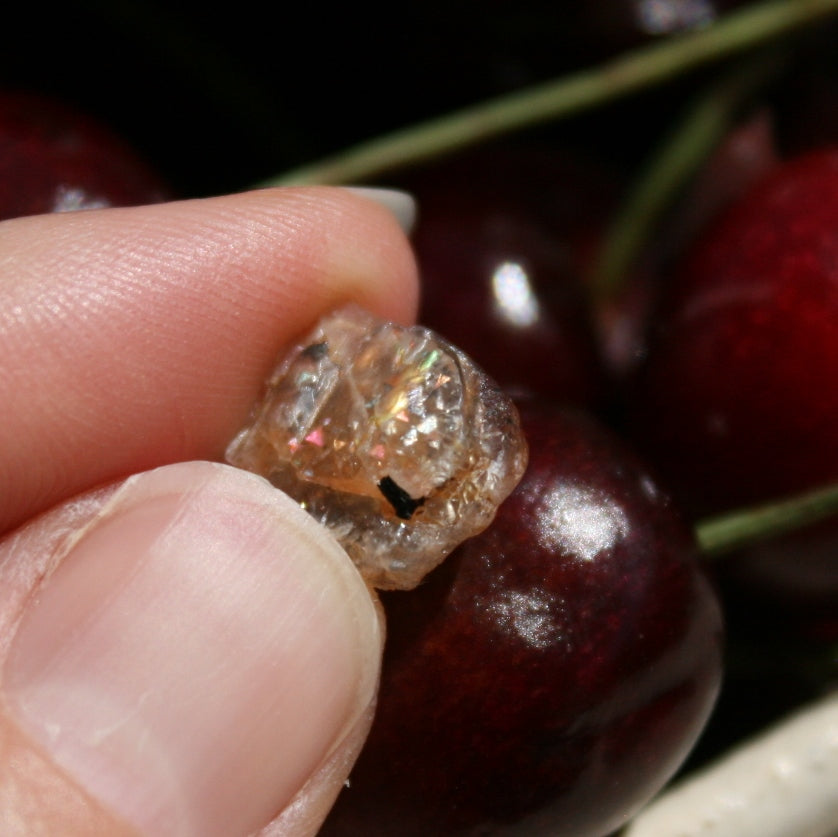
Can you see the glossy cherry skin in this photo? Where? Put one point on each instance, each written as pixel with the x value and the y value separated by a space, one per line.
pixel 501 240
pixel 54 158
pixel 551 675
pixel 738 401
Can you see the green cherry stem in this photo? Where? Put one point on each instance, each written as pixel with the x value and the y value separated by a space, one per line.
pixel 671 166
pixel 718 535
pixel 750 27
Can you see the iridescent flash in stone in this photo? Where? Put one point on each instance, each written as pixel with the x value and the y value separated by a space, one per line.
pixel 391 437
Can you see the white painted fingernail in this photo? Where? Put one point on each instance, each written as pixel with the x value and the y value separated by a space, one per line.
pixel 401 204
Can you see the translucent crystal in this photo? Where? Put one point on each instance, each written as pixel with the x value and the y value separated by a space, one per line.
pixel 391 437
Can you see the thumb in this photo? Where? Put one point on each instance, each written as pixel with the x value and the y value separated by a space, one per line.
pixel 187 653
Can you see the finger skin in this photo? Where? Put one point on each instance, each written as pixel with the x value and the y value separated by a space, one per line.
pixel 305 814
pixel 131 338
pixel 37 798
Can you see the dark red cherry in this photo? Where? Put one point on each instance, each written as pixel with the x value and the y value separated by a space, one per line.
pixel 54 158
pixel 552 674
pixel 738 401
pixel 501 240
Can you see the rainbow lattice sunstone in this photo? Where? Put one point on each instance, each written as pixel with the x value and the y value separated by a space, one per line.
pixel 389 436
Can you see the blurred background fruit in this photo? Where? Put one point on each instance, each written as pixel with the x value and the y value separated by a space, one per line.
pixel 503 238
pixel 54 158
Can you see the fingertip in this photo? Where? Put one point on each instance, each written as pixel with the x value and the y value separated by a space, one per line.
pixel 358 238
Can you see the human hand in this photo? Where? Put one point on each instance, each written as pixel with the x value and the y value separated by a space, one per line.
pixel 185 651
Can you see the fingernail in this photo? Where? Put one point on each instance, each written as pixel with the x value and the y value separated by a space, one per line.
pixel 198 652
pixel 401 204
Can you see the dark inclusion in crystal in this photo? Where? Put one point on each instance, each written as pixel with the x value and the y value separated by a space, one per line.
pixel 403 504
pixel 316 351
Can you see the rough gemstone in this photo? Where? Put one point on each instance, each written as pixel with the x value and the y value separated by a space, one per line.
pixel 391 437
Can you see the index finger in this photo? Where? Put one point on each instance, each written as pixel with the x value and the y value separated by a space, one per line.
pixel 130 338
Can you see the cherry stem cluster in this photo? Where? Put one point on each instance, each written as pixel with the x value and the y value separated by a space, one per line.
pixel 737 32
